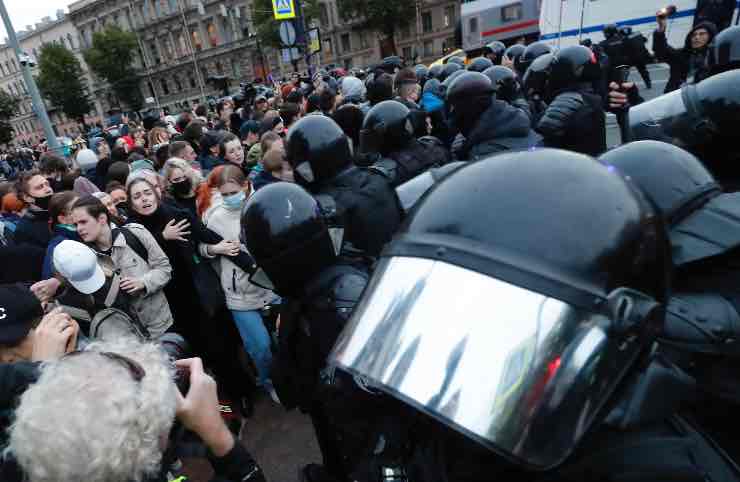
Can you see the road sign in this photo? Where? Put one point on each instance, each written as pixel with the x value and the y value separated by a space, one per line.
pixel 287 33
pixel 283 9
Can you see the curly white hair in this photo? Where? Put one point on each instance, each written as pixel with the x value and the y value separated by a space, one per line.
pixel 87 418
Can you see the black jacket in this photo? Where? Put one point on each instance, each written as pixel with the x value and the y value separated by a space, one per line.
pixel 34 229
pixel 362 201
pixel 502 127
pixel 684 62
pixel 417 157
pixel 575 120
pixel 719 12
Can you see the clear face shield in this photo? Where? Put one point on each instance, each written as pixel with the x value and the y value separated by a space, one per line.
pixel 517 371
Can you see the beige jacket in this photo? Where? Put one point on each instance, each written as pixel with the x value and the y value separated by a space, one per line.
pixel 151 304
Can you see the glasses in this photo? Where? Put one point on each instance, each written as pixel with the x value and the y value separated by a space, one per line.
pixel 134 368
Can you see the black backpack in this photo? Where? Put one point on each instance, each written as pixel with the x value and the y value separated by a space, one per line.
pixel 132 241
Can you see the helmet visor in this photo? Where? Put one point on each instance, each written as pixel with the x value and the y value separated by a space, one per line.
pixel 519 372
pixel 665 118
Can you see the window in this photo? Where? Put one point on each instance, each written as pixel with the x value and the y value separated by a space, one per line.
pixel 155 53
pixel 323 15
pixel 165 87
pixel 2 69
pixel 346 46
pixel 406 53
pixel 235 68
pixel 178 84
pixel 226 29
pixel 15 65
pixel 219 68
pixel 197 43
pixel 212 34
pixel 142 14
pixel 448 45
pixel 512 12
pixel 328 46
pixel 473 24
pixel 191 81
pixel 428 48
pixel 449 16
pixel 426 22
pixel 363 39
pixel 164 7
pixel 70 41
pixel 405 30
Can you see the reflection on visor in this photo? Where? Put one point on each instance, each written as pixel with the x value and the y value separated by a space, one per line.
pixel 664 118
pixel 305 171
pixel 517 371
pixel 411 191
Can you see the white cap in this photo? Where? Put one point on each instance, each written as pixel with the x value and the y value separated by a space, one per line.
pixel 78 264
pixel 86 159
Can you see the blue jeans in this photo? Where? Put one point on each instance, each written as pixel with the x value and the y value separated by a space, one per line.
pixel 256 341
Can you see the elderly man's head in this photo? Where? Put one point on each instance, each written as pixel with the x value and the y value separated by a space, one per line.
pixel 103 414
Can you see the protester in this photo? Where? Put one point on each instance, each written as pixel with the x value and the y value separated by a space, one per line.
pixel 62 226
pixel 33 227
pixel 182 183
pixel 209 196
pixel 685 62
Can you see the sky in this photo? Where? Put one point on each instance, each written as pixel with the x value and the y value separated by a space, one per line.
pixel 28 12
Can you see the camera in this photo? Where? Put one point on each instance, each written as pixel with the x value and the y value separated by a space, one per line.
pixel 666 11
pixel 26 60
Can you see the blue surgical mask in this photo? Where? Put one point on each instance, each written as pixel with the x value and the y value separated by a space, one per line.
pixel 234 201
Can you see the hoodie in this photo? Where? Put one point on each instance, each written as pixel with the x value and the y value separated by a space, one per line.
pixel 685 63
pixel 353 90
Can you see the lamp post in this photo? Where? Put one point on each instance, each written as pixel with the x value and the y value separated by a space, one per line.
pixel 25 65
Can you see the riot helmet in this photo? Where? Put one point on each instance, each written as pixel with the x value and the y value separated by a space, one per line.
pixel 571 66
pixel 479 64
pixel 286 234
pixel 702 221
pixel 379 88
pixel 448 69
pixel 494 51
pixel 504 82
pixel 391 64
pixel 610 30
pixel 435 87
pixel 422 73
pixel 514 52
pixel 724 51
pixel 701 118
pixel 468 97
pixel 456 60
pixel 552 318
pixel 532 52
pixel 452 77
pixel 537 76
pixel 387 127
pixel 317 149
pixel 435 71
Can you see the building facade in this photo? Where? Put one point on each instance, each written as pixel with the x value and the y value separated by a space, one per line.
pixel 26 126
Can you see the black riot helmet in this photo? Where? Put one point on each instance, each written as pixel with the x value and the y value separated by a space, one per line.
pixel 703 222
pixel 504 82
pixel 610 30
pixel 391 64
pixel 571 66
pixel 387 128
pixel 451 78
pixel 724 51
pixel 479 64
pixel 286 234
pixel 514 52
pixel 537 76
pixel 317 149
pixel 469 96
pixel 448 70
pixel 552 318
pixel 494 51
pixel 435 71
pixel 456 60
pixel 532 52
pixel 702 118
pixel 435 87
pixel 422 73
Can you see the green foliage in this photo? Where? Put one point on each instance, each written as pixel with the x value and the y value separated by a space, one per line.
pixel 111 58
pixel 8 109
pixel 61 82
pixel 380 15
pixel 266 25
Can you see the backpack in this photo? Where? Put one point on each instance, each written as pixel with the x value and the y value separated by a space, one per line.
pixel 132 241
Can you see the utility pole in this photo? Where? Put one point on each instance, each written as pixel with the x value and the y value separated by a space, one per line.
pixel 38 104
pixel 192 52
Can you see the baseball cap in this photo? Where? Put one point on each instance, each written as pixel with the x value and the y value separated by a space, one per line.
pixel 78 264
pixel 18 308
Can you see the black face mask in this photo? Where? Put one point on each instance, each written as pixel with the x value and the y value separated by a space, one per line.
pixel 42 202
pixel 182 188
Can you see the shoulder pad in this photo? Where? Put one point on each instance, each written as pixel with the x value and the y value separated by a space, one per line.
pixel 328 206
pixel 387 167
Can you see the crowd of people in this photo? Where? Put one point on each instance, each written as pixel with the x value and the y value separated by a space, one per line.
pixel 233 246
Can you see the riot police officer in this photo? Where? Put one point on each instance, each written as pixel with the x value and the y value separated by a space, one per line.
pixel 560 323
pixel 479 64
pixel 361 200
pixel 532 52
pixel 388 131
pixel 574 118
pixel 488 125
pixel 535 85
pixel 511 55
pixel 494 51
pixel 724 52
pixel 701 118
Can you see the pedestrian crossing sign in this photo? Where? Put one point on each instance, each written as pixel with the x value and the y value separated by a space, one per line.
pixel 283 9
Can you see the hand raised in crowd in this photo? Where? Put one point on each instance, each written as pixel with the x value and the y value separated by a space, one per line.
pixel 618 98
pixel 225 248
pixel 131 285
pixel 176 231
pixel 199 409
pixel 55 336
pixel 662 23
pixel 46 289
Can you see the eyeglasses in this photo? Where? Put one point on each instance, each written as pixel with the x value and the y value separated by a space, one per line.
pixel 134 368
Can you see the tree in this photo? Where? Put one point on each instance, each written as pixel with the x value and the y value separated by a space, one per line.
pixel 111 58
pixel 61 82
pixel 8 110
pixel 267 27
pixel 383 16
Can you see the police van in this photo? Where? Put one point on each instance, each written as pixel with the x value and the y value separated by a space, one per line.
pixel 483 21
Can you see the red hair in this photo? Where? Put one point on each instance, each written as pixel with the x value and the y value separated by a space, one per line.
pixel 11 203
pixel 204 192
